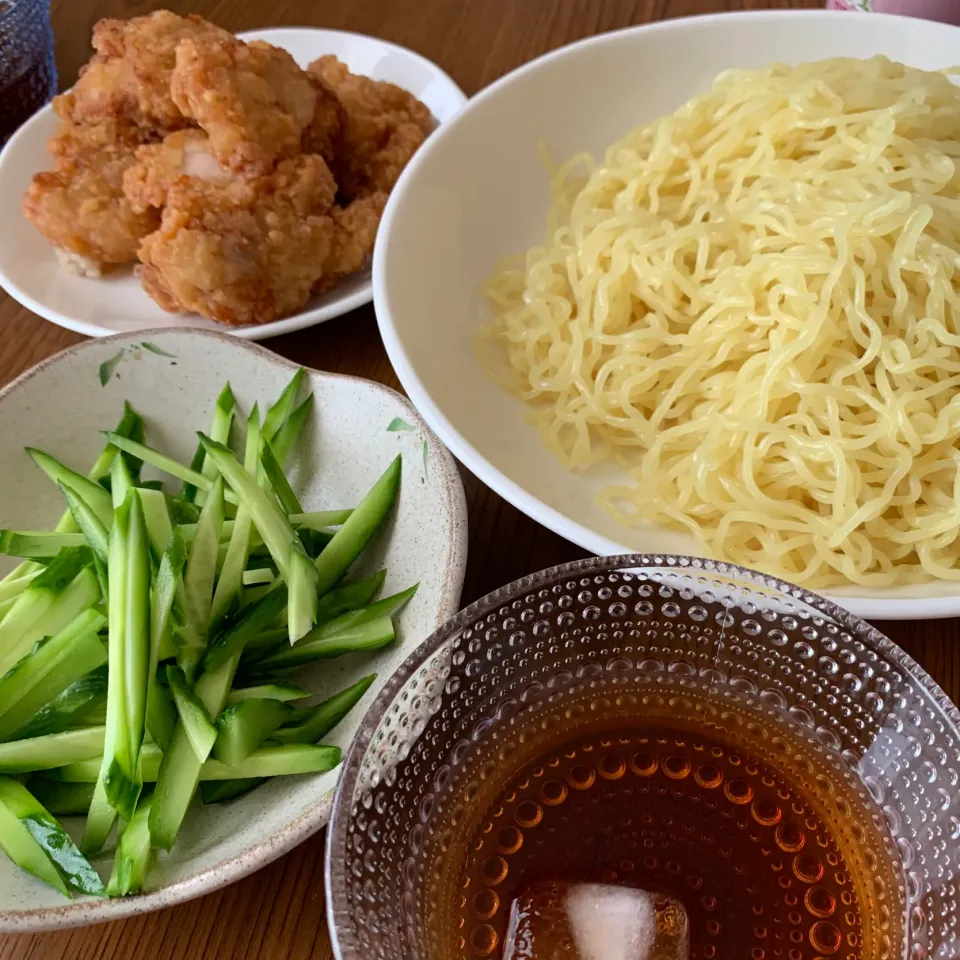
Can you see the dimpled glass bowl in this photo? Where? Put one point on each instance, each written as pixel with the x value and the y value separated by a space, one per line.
pixel 788 675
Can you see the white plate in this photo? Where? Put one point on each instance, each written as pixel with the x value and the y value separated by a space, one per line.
pixel 30 272
pixel 478 192
pixel 60 406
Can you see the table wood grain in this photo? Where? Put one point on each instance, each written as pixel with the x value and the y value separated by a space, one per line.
pixel 278 913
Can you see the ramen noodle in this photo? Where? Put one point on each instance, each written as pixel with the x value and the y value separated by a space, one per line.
pixel 752 306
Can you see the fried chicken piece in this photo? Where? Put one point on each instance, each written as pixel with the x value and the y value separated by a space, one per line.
pixel 76 135
pixel 185 153
pixel 79 206
pixel 252 99
pixel 385 126
pixel 245 251
pixel 354 232
pixel 129 76
pixel 324 133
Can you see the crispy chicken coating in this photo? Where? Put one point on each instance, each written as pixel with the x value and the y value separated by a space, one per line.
pixel 129 76
pixel 385 126
pixel 242 183
pixel 252 100
pixel 324 133
pixel 79 206
pixel 354 232
pixel 185 153
pixel 246 251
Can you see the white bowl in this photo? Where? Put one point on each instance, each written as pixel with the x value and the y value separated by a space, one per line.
pixel 477 192
pixel 60 406
pixel 116 303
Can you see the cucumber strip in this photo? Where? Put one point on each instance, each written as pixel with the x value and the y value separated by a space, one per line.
pixel 323 521
pixel 134 856
pixel 267 761
pixel 88 490
pixel 286 437
pixel 220 431
pixel 280 412
pixel 258 576
pixel 131 425
pixel 161 715
pixel 129 649
pixel 37 544
pixel 219 791
pixel 271 522
pixel 6 606
pixel 20 846
pixel 241 728
pixel 349 596
pixel 198 579
pixel 121 482
pixel 181 511
pixel 179 771
pixel 101 815
pixel 48 669
pixel 278 480
pixel 320 519
pixel 165 588
pixel 245 626
pixel 72 865
pixel 160 461
pixel 386 607
pixel 252 594
pixel 302 595
pixel 52 750
pixel 156 515
pixel 190 493
pixel 69 708
pixel 228 594
pixel 85 517
pixel 322 718
pixel 11 588
pixel 349 541
pixel 62 591
pixel 96 716
pixel 275 761
pixel 267 691
pixel 62 799
pixel 365 636
pixel 201 733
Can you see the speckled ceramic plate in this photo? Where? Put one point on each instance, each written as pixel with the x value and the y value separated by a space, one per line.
pixel 61 405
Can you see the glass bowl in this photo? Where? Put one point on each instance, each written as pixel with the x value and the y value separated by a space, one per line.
pixel 28 74
pixel 773 669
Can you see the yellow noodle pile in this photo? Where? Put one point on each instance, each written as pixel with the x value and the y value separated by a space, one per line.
pixel 752 305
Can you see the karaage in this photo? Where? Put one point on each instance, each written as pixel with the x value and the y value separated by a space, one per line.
pixel 384 127
pixel 129 76
pixel 241 182
pixel 185 153
pixel 79 206
pixel 252 100
pixel 245 251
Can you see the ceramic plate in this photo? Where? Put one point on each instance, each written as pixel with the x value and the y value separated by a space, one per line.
pixel 478 192
pixel 116 303
pixel 60 406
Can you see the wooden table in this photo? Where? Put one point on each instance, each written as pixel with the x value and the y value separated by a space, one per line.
pixel 278 913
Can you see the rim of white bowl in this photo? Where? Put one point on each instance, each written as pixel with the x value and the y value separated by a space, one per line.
pixel 877 608
pixel 316 816
pixel 302 320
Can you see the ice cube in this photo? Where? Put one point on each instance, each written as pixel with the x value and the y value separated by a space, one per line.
pixel 589 921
